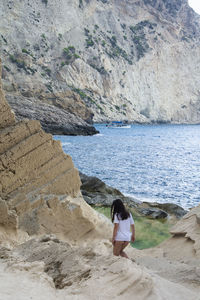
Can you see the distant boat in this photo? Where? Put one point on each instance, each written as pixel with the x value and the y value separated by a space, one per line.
pixel 118 124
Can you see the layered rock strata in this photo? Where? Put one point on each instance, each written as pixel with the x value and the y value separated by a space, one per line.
pixel 39 186
pixel 53 119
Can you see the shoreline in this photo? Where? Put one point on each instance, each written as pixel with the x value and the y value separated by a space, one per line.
pixel 139 163
pixel 150 123
pixel 97 192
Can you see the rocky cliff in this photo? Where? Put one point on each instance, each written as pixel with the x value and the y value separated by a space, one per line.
pixel 52 244
pixel 125 60
pixel 39 186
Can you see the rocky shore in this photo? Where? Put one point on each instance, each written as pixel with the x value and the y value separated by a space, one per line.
pixel 96 192
pixel 53 119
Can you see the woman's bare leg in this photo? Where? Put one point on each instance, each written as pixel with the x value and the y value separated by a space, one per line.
pixel 122 253
pixel 118 248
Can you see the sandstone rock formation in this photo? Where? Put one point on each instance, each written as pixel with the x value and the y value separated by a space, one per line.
pixel 177 259
pixel 127 60
pixel 39 186
pixel 186 236
pixel 56 270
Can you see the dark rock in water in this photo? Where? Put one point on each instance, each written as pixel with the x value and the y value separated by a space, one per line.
pixel 153 213
pixel 96 192
pixel 53 120
pixel 170 208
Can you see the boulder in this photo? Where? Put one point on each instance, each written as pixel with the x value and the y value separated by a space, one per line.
pixel 153 213
pixel 170 208
pixel 185 242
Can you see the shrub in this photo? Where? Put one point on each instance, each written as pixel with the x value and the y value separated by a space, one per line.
pixel 70 54
pixel 6 68
pixel 89 42
pixel 113 40
pixel 80 92
pixel 117 107
pixel 71 48
pixel 101 69
pixel 76 55
pixel 19 62
pixel 25 51
pixel 47 70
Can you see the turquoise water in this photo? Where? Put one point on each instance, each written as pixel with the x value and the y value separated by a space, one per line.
pixel 150 162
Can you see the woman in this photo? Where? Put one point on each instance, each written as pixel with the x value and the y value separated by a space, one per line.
pixel 123 221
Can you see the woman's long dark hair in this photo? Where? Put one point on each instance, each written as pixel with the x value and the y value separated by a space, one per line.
pixel 118 208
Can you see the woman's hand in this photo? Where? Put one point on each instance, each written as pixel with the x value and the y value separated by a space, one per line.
pixel 133 238
pixel 113 241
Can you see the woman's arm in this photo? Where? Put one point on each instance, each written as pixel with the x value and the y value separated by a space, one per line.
pixel 133 233
pixel 116 225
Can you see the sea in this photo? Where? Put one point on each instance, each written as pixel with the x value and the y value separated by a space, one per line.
pixel 149 162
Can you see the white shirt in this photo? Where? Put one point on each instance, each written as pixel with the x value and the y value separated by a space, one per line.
pixel 123 232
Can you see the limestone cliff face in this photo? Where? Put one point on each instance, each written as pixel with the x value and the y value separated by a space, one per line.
pixel 39 186
pixel 135 60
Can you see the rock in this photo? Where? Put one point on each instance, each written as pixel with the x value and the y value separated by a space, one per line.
pixel 72 271
pixel 39 185
pixel 96 192
pixel 7 117
pixel 153 213
pixel 171 208
pixel 69 101
pixel 140 65
pixel 53 119
pixel 185 243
